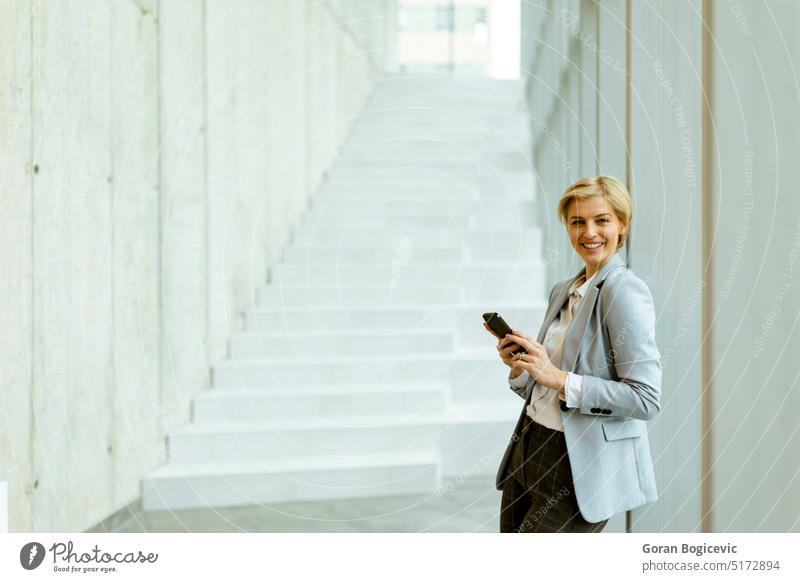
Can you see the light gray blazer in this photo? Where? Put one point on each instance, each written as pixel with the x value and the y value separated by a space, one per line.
pixel 612 344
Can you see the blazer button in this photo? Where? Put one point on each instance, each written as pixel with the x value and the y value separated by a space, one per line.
pixel 595 410
pixel 606 411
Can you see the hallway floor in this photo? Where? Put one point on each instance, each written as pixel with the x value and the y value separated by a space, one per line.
pixel 471 505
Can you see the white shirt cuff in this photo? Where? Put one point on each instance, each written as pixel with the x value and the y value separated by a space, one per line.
pixel 573 387
pixel 520 381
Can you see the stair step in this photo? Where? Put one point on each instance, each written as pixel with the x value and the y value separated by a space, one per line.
pixel 502 273
pixel 378 398
pixel 255 344
pixel 349 436
pixel 229 484
pixel 475 373
pixel 520 215
pixel 397 291
pixel 408 250
pixel 329 368
pixel 346 295
pixel 375 253
pixel 524 315
pixel 443 153
pixel 414 116
pixel 396 203
pixel 322 233
pixel 361 194
pixel 472 136
pixel 363 211
pixel 485 186
pixel 452 175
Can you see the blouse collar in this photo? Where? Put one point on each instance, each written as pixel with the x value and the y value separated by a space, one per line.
pixel 580 288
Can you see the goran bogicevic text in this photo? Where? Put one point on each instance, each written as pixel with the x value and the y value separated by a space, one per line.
pixel 697 550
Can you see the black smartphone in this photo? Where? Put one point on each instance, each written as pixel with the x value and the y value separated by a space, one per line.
pixel 499 326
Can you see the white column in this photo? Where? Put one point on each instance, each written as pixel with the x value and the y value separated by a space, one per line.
pixel 665 184
pixel 612 76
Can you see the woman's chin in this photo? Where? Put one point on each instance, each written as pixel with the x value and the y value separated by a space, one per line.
pixel 594 261
pixel 596 257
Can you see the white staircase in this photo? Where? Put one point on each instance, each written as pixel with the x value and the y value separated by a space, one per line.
pixel 364 369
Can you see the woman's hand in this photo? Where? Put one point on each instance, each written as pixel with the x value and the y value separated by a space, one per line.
pixel 504 348
pixel 537 362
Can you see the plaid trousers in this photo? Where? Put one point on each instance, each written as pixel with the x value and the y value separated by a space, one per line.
pixel 538 495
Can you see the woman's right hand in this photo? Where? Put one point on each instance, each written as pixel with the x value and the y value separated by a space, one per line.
pixel 505 347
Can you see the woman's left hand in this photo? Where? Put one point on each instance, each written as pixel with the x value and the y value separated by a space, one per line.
pixel 537 362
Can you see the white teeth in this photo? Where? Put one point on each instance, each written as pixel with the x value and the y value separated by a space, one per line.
pixel 593 246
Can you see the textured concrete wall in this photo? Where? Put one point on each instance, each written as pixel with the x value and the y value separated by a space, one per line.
pixel 665 141
pixel 153 159
pixel 612 81
pixel 755 287
pixel 16 266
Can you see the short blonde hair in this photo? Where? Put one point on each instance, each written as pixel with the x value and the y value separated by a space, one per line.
pixel 610 188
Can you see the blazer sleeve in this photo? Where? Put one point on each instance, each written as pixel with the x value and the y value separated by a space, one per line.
pixel 629 318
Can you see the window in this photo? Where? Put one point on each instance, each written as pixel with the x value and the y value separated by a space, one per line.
pixel 402 19
pixel 444 18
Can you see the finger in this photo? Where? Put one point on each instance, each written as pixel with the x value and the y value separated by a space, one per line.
pixel 526 336
pixel 523 365
pixel 506 343
pixel 532 345
pixel 538 350
pixel 489 329
pixel 523 342
pixel 510 348
pixel 522 334
pixel 528 360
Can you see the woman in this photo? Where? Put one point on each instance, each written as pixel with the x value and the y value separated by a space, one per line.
pixel 579 453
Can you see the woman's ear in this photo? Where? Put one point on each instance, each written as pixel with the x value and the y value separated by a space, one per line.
pixel 623 229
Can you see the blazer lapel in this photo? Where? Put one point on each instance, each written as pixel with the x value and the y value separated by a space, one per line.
pixel 553 310
pixel 574 335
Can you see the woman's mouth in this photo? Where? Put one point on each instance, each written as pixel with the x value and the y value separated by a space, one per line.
pixel 592 247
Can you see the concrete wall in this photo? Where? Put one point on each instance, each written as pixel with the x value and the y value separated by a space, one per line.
pixel 16 267
pixel 665 139
pixel 153 159
pixel 754 288
pixel 715 231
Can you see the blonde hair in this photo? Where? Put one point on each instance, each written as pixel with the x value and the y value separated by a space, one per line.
pixel 608 187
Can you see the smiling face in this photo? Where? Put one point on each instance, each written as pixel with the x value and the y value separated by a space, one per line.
pixel 589 222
